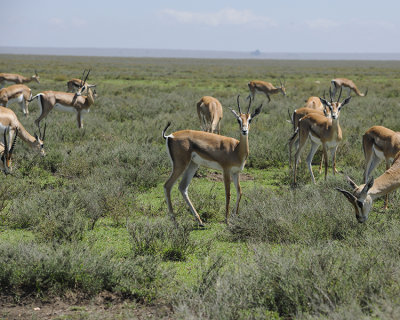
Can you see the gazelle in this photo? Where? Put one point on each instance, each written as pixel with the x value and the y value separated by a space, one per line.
pixel 379 143
pixel 9 119
pixel 74 85
pixel 314 103
pixel 19 93
pixel 189 149
pixel 343 82
pixel 210 114
pixel 65 101
pixel 266 88
pixel 363 196
pixel 17 78
pixel 6 151
pixel 320 130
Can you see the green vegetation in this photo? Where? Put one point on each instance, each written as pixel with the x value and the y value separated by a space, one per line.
pixel 91 215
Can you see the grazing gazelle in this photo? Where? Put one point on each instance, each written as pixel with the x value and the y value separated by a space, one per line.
pixel 9 119
pixel 210 114
pixel 264 87
pixel 17 78
pixel 363 196
pixel 189 149
pixel 343 82
pixel 6 151
pixel 321 130
pixel 379 143
pixel 19 93
pixel 65 101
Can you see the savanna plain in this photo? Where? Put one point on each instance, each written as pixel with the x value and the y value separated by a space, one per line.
pixel 85 233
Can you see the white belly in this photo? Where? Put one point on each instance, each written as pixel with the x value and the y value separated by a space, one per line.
pixel 315 139
pixel 61 107
pixel 18 99
pixel 331 144
pixel 204 162
pixel 378 153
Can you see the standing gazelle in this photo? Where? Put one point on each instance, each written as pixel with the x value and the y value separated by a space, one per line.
pixel 320 130
pixel 267 88
pixel 65 101
pixel 19 93
pixel 210 114
pixel 189 149
pixel 379 143
pixel 343 82
pixel 17 78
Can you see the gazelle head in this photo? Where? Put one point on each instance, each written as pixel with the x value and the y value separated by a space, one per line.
pixel 7 153
pixel 38 144
pixel 335 107
pixel 282 88
pixel 36 77
pixel 359 198
pixel 244 119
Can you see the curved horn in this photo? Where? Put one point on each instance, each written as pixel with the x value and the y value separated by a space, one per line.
pixel 87 75
pixel 248 108
pixel 330 94
pixel 83 74
pixel 238 103
pixel 36 73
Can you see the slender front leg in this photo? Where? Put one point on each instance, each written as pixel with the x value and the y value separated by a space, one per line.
pixel 236 182
pixel 313 150
pixel 227 183
pixel 385 206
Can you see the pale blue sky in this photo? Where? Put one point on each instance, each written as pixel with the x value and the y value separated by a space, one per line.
pixel 281 26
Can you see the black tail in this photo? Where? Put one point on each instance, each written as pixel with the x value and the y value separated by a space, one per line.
pixel 294 135
pixel 165 129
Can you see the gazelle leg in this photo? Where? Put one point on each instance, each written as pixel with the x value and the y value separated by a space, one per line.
pixel 313 150
pixel 333 155
pixel 374 162
pixel 297 157
pixel 177 170
pixel 227 183
pixel 387 194
pixel 236 182
pixel 183 188
pixel 320 164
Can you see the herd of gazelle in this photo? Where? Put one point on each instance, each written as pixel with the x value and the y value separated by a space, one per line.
pixel 317 121
pixel 18 92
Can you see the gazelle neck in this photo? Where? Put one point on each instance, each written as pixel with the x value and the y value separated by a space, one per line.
pixel 243 146
pixel 25 135
pixel 387 182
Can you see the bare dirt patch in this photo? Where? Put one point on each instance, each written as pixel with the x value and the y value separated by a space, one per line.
pixel 104 306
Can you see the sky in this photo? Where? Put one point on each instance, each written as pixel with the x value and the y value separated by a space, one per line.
pixel 315 26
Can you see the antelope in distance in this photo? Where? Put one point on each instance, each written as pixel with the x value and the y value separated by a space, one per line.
pixel 6 151
pixel 210 114
pixel 379 143
pixel 321 130
pixel 17 78
pixel 189 149
pixel 314 103
pixel 9 119
pixel 343 82
pixel 65 101
pixel 363 196
pixel 74 85
pixel 266 88
pixel 19 93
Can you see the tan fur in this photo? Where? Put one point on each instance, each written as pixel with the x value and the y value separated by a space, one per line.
pixel 343 82
pixel 210 113
pixel 9 119
pixel 13 92
pixel 189 149
pixel 17 78
pixel 314 103
pixel 267 88
pixel 77 103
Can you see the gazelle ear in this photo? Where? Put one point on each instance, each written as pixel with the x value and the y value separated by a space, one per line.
pixel 348 195
pixel 257 111
pixel 345 101
pixel 324 102
pixel 351 182
pixel 235 113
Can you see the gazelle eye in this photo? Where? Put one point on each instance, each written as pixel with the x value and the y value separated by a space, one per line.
pixel 360 204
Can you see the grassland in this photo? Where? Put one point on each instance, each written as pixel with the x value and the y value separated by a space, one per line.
pixel 90 219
